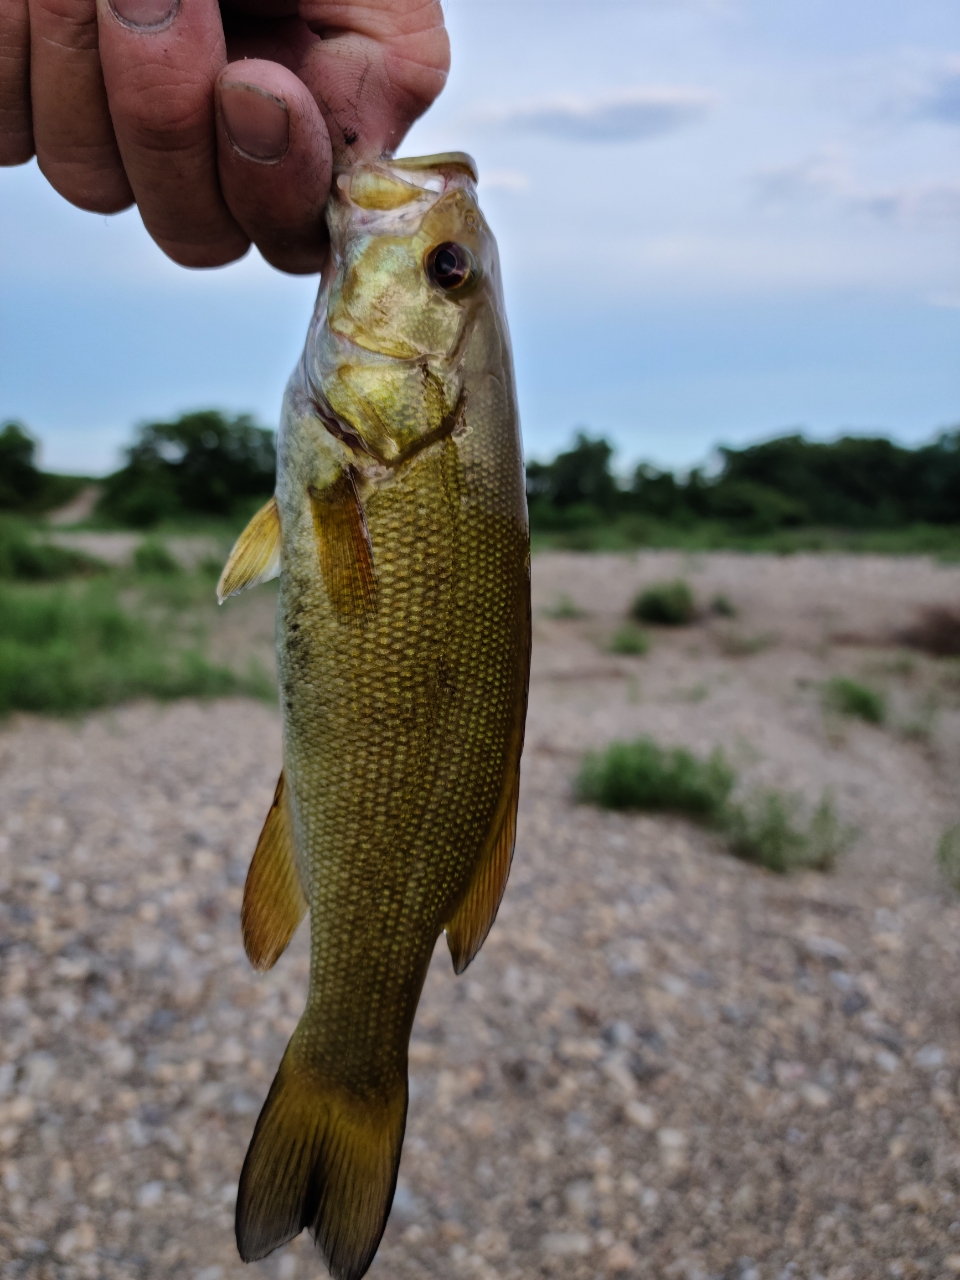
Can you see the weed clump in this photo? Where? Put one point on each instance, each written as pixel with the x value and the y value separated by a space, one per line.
pixel 629 639
pixel 850 698
pixel 948 856
pixel 767 828
pixel 723 607
pixel 669 604
pixel 644 775
pixel 152 557
pixel 564 609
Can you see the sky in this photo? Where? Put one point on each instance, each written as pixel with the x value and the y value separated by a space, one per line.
pixel 719 220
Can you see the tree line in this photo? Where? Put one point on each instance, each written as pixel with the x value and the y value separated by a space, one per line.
pixel 211 463
pixel 855 482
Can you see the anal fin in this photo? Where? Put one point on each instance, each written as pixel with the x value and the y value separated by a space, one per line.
pixel 255 557
pixel 475 915
pixel 273 898
pixel 344 548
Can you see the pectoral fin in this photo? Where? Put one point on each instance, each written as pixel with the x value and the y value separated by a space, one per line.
pixel 255 556
pixel 343 545
pixel 474 917
pixel 273 899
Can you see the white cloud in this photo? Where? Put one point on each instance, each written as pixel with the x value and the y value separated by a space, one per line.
pixel 827 177
pixel 825 173
pixel 629 115
pixel 942 102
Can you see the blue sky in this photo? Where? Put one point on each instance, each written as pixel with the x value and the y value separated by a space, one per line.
pixel 718 218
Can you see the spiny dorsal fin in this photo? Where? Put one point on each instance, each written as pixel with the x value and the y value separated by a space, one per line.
pixel 343 545
pixel 255 556
pixel 475 916
pixel 273 899
pixel 324 1158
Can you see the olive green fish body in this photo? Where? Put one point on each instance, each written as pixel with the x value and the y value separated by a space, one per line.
pixel 403 647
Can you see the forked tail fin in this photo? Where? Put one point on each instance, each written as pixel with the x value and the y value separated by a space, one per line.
pixel 320 1158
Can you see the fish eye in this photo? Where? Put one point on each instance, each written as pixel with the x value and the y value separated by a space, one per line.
pixel 450 266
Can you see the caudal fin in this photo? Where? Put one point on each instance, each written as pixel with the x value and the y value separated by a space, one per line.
pixel 320 1158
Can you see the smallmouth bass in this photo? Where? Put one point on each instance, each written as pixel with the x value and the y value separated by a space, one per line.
pixel 399 533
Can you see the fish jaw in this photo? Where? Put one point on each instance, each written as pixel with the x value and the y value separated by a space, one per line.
pixel 384 353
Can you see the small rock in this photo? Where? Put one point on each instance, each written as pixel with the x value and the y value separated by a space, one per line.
pixel 565 1244
pixel 916 1195
pixel 815 1096
pixel 641 1115
pixel 149 1195
pixel 79 1239
pixel 620 1257
pixel 821 948
pixel 930 1057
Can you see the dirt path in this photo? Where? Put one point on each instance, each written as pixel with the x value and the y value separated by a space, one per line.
pixel 664 1063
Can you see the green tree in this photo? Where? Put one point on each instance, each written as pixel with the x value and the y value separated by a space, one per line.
pixel 201 463
pixel 21 484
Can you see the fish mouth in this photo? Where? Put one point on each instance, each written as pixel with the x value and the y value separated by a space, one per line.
pixel 351 439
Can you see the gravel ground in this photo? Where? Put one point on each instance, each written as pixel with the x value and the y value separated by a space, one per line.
pixel 664 1062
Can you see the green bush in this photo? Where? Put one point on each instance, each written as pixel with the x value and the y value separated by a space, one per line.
pixel 948 856
pixel 630 640
pixel 850 698
pixel 722 606
pixel 643 775
pixel 24 559
pixel 152 557
pixel 767 829
pixel 564 609
pixel 668 603
pixel 67 649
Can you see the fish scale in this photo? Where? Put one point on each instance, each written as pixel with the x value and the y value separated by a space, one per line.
pixel 399 532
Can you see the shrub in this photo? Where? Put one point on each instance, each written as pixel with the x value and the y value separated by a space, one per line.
pixel 668 603
pixel 767 829
pixel 853 699
pixel 153 558
pixel 948 856
pixel 564 609
pixel 643 775
pixel 722 606
pixel 630 640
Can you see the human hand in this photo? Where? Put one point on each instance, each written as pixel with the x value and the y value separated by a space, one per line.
pixel 221 123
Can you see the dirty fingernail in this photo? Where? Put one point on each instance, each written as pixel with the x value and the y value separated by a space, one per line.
pixel 146 15
pixel 258 123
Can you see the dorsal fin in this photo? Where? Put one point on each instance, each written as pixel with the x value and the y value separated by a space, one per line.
pixel 273 898
pixel 255 556
pixel 475 915
pixel 343 545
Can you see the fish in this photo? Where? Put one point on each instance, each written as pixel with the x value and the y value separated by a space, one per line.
pixel 400 536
